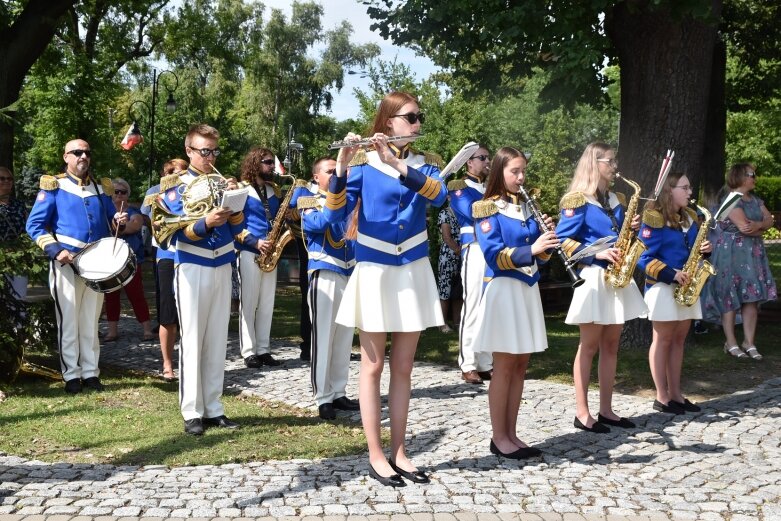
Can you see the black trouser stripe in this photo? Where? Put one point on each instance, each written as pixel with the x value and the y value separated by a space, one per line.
pixel 58 310
pixel 465 284
pixel 313 304
pixel 181 334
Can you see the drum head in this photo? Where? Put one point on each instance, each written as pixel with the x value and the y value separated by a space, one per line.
pixel 106 265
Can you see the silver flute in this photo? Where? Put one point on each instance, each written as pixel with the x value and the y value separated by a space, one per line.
pixel 368 141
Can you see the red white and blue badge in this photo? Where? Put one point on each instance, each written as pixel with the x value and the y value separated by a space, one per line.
pixel 171 196
pixel 485 226
pixel 457 193
pixel 41 195
pixel 569 212
pixel 646 233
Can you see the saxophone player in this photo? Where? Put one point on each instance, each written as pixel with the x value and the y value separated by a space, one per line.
pixel 590 211
pixel 670 231
pixel 257 288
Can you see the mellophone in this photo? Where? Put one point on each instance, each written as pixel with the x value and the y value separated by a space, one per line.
pixel 106 265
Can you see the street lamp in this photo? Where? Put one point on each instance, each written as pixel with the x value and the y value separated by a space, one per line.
pixel 170 106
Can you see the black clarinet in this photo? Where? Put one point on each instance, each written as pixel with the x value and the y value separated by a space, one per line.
pixel 532 204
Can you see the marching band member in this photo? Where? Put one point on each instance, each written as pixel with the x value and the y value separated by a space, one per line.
pixel 71 211
pixel 475 367
pixel 669 231
pixel 510 320
pixel 331 261
pixel 392 289
pixel 590 211
pixel 204 252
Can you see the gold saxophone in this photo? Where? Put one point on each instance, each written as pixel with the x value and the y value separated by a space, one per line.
pixel 279 234
pixel 619 274
pixel 698 272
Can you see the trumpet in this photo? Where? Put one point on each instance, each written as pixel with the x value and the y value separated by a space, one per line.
pixel 368 141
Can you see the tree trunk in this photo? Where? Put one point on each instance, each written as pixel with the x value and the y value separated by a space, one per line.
pixel 20 46
pixel 667 77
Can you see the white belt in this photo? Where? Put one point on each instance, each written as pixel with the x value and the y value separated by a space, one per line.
pixel 467 229
pixel 206 253
pixel 389 247
pixel 333 260
pixel 70 241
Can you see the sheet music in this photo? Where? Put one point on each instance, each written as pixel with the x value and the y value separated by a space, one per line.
pixel 235 200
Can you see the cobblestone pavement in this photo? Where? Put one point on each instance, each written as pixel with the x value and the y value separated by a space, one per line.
pixel 722 463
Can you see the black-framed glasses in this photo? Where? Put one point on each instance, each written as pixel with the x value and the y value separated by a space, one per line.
pixel 206 152
pixel 78 152
pixel 411 117
pixel 267 161
pixel 481 157
pixel 751 174
pixel 120 191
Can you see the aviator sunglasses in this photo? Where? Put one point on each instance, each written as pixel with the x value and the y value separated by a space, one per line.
pixel 411 117
pixel 78 152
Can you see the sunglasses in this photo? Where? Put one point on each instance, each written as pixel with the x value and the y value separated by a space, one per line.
pixel 481 157
pixel 205 152
pixel 751 174
pixel 267 161
pixel 411 117
pixel 120 192
pixel 79 153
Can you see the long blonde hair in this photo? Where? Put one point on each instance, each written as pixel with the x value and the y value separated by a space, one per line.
pixel 586 178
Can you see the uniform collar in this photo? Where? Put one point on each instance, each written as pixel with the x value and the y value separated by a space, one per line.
pixel 474 178
pixel 512 198
pixel 77 180
pixel 402 152
pixel 194 171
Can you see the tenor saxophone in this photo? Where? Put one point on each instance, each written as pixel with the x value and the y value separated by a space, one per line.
pixel 279 235
pixel 619 274
pixel 687 294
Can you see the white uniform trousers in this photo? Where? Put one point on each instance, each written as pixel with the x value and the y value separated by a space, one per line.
pixel 331 342
pixel 257 290
pixel 472 273
pixel 203 296
pixel 78 309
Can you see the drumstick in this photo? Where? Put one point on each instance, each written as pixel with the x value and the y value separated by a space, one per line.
pixel 116 232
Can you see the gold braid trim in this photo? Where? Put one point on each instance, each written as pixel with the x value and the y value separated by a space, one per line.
pixel 456 184
pixel 334 243
pixel 336 201
pixel 621 198
pixel 433 159
pixel 431 188
pixel 241 236
pixel 236 218
pixel 359 158
pixel 504 259
pixel 301 183
pixel 572 200
pixel 482 209
pixel 654 268
pixel 653 218
pixel 169 182
pixel 150 199
pixel 569 246
pixel 49 182
pixel 544 256
pixel 189 232
pixel 306 202
pixel 44 240
pixel 107 185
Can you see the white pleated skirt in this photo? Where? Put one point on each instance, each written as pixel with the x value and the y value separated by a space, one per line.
pixel 510 318
pixel 662 305
pixel 381 298
pixel 597 302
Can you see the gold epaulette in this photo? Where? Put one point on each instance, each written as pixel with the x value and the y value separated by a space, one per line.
pixel 456 184
pixel 359 158
pixel 149 200
pixel 484 208
pixel 49 182
pixel 653 218
pixel 572 200
pixel 107 185
pixel 169 182
pixel 621 198
pixel 433 159
pixel 692 214
pixel 307 202
pixel 300 183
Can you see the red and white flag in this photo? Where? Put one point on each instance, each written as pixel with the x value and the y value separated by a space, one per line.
pixel 132 137
pixel 278 168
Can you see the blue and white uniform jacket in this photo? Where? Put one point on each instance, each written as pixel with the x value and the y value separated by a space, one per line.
pixel 506 229
pixel 197 244
pixel 667 248
pixel 325 242
pixel 301 188
pixel 463 194
pixel 146 209
pixel 258 219
pixel 69 213
pixel 392 217
pixel 583 220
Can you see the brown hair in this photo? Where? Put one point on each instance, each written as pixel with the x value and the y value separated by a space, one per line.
pixel 390 105
pixel 495 183
pixel 316 164
pixel 737 174
pixel 203 130
pixel 173 166
pixel 251 164
pixel 664 203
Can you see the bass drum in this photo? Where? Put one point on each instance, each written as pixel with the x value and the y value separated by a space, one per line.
pixel 106 265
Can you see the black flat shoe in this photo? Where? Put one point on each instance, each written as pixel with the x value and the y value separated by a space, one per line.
pixel 687 405
pixel 417 476
pixel 391 481
pixel 621 422
pixel 597 427
pixel 522 453
pixel 670 407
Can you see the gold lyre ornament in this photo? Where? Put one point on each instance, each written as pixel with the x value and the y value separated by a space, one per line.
pixel 687 294
pixel 280 233
pixel 619 274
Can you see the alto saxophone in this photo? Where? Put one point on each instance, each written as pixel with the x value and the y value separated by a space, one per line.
pixel 687 294
pixel 619 274
pixel 279 234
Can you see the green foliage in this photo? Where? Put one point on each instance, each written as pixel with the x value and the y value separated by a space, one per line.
pixel 769 190
pixel 772 234
pixel 754 136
